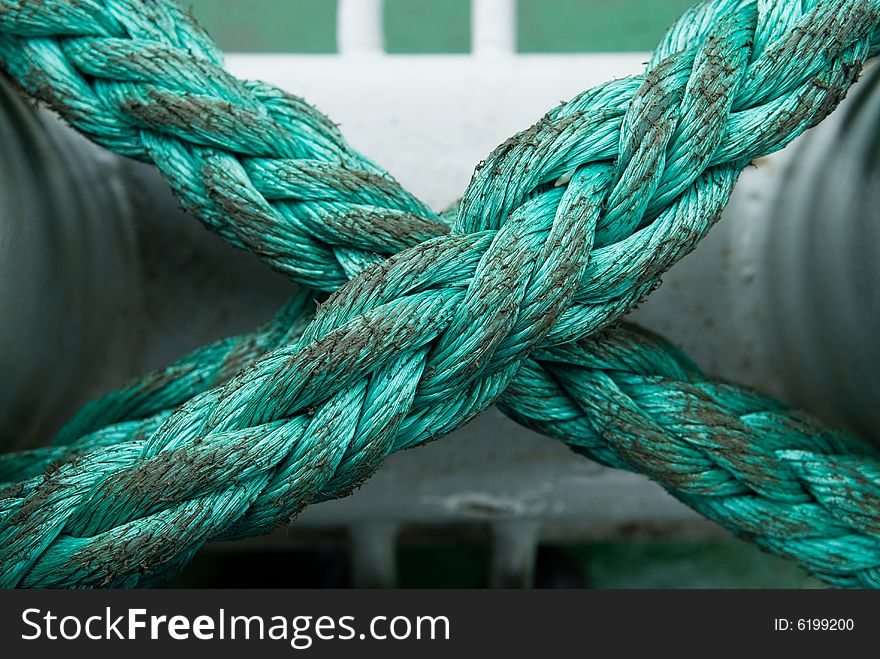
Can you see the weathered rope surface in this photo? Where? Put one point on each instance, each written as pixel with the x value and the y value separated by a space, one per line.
pixel 263 168
pixel 631 401
pixel 637 170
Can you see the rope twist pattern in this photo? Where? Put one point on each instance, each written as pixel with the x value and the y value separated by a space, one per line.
pixel 560 233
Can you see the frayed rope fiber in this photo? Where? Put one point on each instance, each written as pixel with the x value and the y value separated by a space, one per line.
pixel 560 233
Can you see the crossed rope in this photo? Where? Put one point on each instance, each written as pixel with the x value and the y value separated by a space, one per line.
pixel 560 233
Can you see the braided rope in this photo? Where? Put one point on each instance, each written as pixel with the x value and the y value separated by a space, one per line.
pixel 771 475
pixel 590 123
pixel 396 358
pixel 261 167
pixel 631 401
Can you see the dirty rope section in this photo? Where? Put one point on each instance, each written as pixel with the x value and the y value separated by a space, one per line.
pixel 513 298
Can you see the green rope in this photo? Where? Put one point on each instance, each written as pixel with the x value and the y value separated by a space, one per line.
pixel 561 231
pixel 261 167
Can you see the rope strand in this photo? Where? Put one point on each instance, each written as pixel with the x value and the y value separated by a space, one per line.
pixel 562 230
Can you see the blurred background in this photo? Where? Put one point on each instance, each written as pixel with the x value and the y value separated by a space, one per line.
pixel 440 26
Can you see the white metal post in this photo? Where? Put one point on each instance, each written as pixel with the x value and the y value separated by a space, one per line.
pixel 359 27
pixel 493 27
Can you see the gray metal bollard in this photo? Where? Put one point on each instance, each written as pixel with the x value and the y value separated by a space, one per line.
pixel 102 276
pixel 68 268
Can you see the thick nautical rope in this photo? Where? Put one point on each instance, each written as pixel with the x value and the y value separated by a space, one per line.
pixel 263 168
pixel 89 59
pixel 771 475
pixel 272 174
pixel 352 402
pixel 629 400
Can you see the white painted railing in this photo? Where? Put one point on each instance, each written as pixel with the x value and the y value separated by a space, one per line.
pixel 359 28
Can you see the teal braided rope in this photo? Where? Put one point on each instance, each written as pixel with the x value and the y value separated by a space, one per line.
pixel 270 173
pixel 585 130
pixel 141 78
pixel 312 422
pixel 771 475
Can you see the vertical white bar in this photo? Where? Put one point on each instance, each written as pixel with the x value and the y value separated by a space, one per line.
pixel 359 27
pixel 373 549
pixel 514 549
pixel 493 27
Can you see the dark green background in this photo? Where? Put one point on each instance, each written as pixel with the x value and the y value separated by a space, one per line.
pixel 439 26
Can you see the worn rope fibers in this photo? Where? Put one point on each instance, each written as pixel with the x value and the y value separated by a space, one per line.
pixel 238 460
pixel 631 401
pixel 71 72
pixel 261 167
